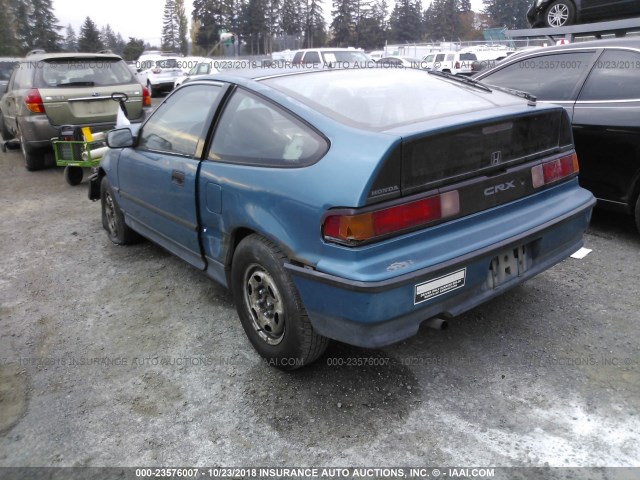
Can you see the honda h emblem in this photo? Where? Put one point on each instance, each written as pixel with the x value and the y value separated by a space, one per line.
pixel 496 158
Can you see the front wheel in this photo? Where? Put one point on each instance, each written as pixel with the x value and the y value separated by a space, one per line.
pixel 560 14
pixel 270 308
pixel 113 218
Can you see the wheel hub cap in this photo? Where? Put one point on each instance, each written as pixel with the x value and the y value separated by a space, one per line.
pixel 265 305
pixel 558 15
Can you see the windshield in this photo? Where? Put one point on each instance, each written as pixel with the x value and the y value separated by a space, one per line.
pixel 74 72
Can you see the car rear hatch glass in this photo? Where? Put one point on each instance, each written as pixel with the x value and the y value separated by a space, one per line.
pixel 78 91
pixel 166 70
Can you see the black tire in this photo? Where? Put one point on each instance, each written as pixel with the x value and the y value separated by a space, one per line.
pixel 637 213
pixel 560 14
pixel 270 307
pixel 33 158
pixel 73 175
pixel 153 92
pixel 113 219
pixel 4 131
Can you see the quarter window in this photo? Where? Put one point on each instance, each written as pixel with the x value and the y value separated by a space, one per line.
pixel 179 123
pixel 255 132
pixel 548 77
pixel 614 77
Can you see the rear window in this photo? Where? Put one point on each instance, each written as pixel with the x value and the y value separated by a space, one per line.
pixel 73 72
pixel 380 99
pixel 167 63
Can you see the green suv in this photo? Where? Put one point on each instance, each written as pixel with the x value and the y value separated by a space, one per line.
pixel 48 90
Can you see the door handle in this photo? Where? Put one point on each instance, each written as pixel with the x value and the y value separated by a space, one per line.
pixel 177 177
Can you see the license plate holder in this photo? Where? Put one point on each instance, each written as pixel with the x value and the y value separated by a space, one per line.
pixel 508 265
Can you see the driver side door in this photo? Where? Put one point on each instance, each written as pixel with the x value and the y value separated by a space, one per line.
pixel 157 179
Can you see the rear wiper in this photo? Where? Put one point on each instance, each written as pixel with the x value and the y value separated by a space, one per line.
pixel 461 79
pixel 77 84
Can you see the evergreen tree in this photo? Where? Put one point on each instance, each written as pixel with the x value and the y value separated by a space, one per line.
pixel 8 42
pixel 343 24
pixel 133 49
pixel 183 27
pixel 507 13
pixel 315 34
pixel 253 24
pixel 405 25
pixel 170 27
pixel 212 17
pixel 70 40
pixel 89 40
pixel 22 11
pixel 108 38
pixel 371 28
pixel 44 28
pixel 291 23
pixel 445 20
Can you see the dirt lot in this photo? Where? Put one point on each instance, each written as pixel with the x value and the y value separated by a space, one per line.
pixel 124 356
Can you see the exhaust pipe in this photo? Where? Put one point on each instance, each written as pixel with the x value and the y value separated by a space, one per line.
pixel 437 323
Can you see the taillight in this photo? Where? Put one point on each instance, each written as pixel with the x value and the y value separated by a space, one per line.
pixel 549 172
pixel 156 70
pixel 457 64
pixel 354 229
pixel 33 100
pixel 146 97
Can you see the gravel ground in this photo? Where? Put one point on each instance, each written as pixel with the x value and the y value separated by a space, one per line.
pixel 125 356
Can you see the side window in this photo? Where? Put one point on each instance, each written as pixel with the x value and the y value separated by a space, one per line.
pixel 548 77
pixel 204 68
pixel 312 57
pixel 450 57
pixel 614 77
pixel 178 124
pixel 253 131
pixel 23 76
pixel 428 58
pixel 440 57
pixel 297 58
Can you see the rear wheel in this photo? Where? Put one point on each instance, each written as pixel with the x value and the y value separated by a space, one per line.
pixel 270 307
pixel 4 131
pixel 113 219
pixel 33 158
pixel 152 91
pixel 560 13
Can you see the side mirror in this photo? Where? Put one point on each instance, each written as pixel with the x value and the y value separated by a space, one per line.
pixel 120 138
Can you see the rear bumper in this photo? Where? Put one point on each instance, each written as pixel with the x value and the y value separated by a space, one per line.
pixel 374 314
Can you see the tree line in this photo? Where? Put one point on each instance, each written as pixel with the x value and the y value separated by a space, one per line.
pixel 262 26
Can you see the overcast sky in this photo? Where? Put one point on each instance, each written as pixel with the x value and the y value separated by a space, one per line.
pixel 136 18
